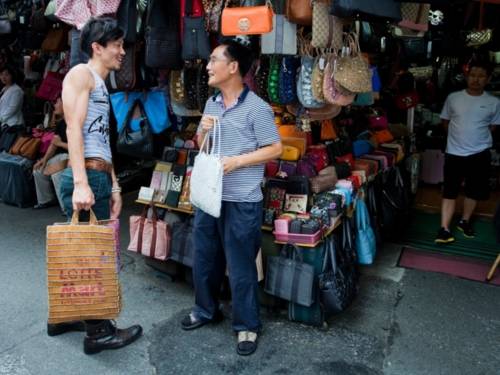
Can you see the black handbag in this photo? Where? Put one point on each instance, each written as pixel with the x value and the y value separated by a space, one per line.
pixel 139 143
pixel 163 49
pixel 335 293
pixel 127 19
pixel 182 248
pixel 288 277
pixel 386 9
pixel 195 43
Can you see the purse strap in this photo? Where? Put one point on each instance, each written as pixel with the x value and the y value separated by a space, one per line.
pixel 330 256
pixel 141 229
pixel 216 137
pixel 126 124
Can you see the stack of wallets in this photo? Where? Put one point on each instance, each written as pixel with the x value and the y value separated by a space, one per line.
pixel 160 181
pixel 184 201
pixel 174 192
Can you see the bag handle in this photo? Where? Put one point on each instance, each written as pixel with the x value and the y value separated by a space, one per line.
pixel 330 256
pixel 292 251
pixel 216 137
pixel 75 218
pixel 126 124
pixel 154 218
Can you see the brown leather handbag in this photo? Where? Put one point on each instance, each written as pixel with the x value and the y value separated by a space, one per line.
pixel 299 12
pixel 247 20
pixel 16 147
pixel 30 148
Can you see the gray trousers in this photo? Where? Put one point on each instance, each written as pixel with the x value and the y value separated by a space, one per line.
pixel 47 187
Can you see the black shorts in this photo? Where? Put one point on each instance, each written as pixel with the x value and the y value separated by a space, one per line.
pixel 474 169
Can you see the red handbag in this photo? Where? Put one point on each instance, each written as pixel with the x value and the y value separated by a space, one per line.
pixel 51 86
pixel 347 158
pixel 317 155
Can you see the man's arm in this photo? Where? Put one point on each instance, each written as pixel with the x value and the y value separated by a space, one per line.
pixel 260 156
pixel 75 97
pixel 445 124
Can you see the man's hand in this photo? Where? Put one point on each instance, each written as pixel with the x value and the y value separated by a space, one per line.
pixel 40 165
pixel 207 122
pixel 230 163
pixel 116 205
pixel 83 197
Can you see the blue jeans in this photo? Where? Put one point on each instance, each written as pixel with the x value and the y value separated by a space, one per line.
pixel 100 184
pixel 233 238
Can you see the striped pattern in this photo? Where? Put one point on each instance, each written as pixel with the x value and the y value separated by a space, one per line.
pixel 96 126
pixel 245 127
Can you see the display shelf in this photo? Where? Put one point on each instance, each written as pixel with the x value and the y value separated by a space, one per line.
pixel 166 207
pixel 335 225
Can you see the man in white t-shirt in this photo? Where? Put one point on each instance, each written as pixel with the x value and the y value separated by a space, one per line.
pixel 469 117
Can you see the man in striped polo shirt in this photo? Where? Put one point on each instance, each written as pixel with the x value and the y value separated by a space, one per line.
pixel 249 139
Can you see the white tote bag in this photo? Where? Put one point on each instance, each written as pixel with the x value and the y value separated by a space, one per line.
pixel 206 178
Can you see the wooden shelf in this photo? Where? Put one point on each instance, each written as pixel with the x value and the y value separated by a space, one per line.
pixel 338 221
pixel 166 207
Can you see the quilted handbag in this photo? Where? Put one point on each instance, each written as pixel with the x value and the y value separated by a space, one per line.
pixel 415 16
pixel 288 277
pixel 282 40
pixel 273 81
pixel 304 84
pixel 287 79
pixel 247 20
pixel 136 143
pixel 163 48
pixel 326 28
pixel 207 174
pixel 149 237
pixel 299 12
pixel 353 72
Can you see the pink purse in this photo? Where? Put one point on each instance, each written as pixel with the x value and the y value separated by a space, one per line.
pixel 332 92
pixel 77 12
pixel 149 237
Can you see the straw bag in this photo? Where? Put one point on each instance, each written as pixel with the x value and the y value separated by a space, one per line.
pixel 206 177
pixel 353 72
pixel 247 20
pixel 81 270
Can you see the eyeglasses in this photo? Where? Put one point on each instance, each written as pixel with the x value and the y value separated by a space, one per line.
pixel 214 59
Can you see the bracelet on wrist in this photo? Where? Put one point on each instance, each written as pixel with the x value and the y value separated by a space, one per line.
pixel 116 190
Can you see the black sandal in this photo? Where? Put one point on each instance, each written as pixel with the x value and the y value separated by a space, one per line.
pixel 247 342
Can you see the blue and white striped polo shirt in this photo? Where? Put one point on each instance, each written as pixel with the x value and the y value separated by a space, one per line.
pixel 245 127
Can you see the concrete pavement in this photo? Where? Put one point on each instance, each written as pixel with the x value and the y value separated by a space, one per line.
pixel 403 322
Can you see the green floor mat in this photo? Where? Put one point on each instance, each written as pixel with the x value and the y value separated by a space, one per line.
pixel 423 227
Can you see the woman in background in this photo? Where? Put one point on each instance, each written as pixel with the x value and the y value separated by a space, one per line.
pixel 11 98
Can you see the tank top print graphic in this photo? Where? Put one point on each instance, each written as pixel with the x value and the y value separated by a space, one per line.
pixel 96 125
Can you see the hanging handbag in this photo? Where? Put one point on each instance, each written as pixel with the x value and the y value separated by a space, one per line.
pixel 353 72
pixel 182 248
pixel 149 237
pixel 247 20
pixel 125 78
pixel 273 81
pixel 326 28
pixel 282 40
pixel 317 77
pixel 333 92
pixel 202 88
pixel 206 178
pixel 195 39
pixel 385 9
pixel 77 56
pixel 51 87
pixel 290 279
pixel 261 78
pixel 334 286
pixel 304 84
pixel 176 86
pixel 139 143
pixel 127 16
pixel 365 238
pixel 299 12
pixel 56 40
pixel 163 49
pixel 213 12
pixel 415 16
pixel 287 80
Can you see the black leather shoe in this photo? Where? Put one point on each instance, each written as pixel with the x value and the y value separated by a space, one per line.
pixel 40 206
pixel 106 335
pixel 60 328
pixel 189 322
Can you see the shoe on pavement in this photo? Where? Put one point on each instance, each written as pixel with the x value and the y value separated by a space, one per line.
pixel 444 236
pixel 247 342
pixel 466 228
pixel 190 322
pixel 105 335
pixel 60 328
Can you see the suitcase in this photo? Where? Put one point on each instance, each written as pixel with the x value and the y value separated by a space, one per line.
pixel 18 187
pixel 432 167
pixel 313 315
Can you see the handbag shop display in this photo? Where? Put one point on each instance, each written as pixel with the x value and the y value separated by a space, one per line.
pixel 356 91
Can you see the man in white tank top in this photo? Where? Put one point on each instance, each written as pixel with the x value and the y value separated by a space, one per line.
pixel 90 181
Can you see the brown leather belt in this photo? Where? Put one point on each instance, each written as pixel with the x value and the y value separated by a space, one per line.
pixel 97 165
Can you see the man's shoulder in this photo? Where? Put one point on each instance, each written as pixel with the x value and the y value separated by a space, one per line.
pixel 79 76
pixel 256 101
pixel 456 95
pixel 492 98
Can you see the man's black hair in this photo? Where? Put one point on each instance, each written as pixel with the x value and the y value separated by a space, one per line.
pixel 483 64
pixel 240 53
pixel 101 30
